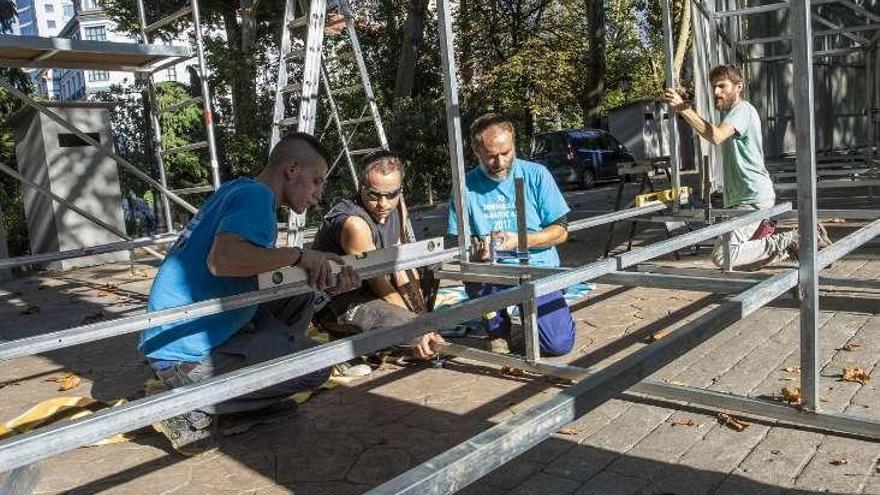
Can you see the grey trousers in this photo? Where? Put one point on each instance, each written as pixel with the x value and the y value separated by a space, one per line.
pixel 361 311
pixel 752 254
pixel 278 329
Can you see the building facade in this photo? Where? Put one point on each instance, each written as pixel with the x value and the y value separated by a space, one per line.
pixel 42 18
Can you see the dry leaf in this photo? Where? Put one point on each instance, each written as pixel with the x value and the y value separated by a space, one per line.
pixel 30 310
pixel 822 399
pixel 792 395
pixel 92 318
pixel 683 422
pixel 507 370
pixel 850 347
pixel 731 422
pixel 568 431
pixel 855 374
pixel 792 369
pixel 140 273
pixel 839 462
pixel 66 382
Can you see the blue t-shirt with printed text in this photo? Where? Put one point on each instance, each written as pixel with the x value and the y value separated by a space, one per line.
pixel 243 206
pixel 492 205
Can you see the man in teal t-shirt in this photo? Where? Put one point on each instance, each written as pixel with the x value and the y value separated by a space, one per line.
pixel 491 200
pixel 747 183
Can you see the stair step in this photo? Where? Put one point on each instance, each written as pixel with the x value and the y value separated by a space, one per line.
pixel 356 121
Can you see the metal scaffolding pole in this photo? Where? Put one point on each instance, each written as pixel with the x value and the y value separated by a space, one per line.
pixel 86 251
pixel 453 128
pixel 808 278
pixel 671 82
pixel 207 111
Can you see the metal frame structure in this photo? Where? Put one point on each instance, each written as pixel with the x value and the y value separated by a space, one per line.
pixel 474 458
pixel 142 59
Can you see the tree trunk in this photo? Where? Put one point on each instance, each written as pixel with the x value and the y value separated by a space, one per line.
pixel 242 80
pixel 684 36
pixel 466 44
pixel 594 89
pixel 413 32
pixel 248 26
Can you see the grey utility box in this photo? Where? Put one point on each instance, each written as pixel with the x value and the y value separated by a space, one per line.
pixel 60 161
pixel 643 127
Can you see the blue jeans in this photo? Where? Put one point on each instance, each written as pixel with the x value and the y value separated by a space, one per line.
pixel 555 325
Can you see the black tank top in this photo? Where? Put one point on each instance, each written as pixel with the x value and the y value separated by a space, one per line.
pixel 329 235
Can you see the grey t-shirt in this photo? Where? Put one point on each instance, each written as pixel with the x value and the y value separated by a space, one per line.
pixel 746 181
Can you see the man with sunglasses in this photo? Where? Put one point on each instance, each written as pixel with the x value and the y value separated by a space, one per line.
pixel 373 219
pixel 491 201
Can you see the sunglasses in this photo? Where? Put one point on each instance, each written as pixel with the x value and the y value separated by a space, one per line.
pixel 378 195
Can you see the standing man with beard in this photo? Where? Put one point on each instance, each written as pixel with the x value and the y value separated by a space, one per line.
pixel 491 200
pixel 747 183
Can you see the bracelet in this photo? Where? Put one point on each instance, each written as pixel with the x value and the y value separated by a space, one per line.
pixel 298 258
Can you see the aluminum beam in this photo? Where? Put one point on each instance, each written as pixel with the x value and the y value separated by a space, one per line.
pixel 120 326
pixel 453 128
pixel 87 251
pixel 469 461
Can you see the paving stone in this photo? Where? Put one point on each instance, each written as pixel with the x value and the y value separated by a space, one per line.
pixel 546 484
pixel 610 483
pixel 825 473
pixel 378 464
pixel 479 487
pixel 511 474
pixel 663 446
pixel 776 461
pixel 581 463
pixel 628 429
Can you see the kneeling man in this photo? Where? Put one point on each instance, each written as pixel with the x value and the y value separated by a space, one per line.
pixel 372 219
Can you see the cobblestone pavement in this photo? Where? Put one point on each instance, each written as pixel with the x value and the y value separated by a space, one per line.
pixel 355 437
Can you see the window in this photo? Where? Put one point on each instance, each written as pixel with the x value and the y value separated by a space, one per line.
pixel 89 4
pixel 99 75
pixel 97 33
pixel 72 140
pixel 50 9
pixel 541 146
pixel 50 24
pixel 172 74
pixel 68 10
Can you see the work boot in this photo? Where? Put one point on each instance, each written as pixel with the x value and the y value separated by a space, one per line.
pixel 794 245
pixel 822 239
pixel 190 434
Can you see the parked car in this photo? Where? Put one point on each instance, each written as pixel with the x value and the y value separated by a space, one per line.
pixel 583 156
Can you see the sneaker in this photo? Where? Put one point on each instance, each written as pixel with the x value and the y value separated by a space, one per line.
pixel 794 245
pixel 352 370
pixel 187 437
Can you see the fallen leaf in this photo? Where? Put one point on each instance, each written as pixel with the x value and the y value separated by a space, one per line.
pixel 507 370
pixel 140 273
pixel 822 399
pixel 567 431
pixel 731 422
pixel 92 318
pixel 792 369
pixel 792 395
pixel 30 310
pixel 839 462
pixel 850 347
pixel 683 422
pixel 855 374
pixel 66 382
pixel 9 383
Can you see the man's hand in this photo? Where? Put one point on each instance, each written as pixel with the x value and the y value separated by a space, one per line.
pixel 422 347
pixel 317 265
pixel 674 100
pixel 507 241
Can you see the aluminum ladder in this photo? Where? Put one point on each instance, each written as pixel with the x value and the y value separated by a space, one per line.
pixel 302 40
pixel 146 31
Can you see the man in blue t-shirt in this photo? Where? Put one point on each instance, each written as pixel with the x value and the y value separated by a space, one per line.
pixel 747 183
pixel 491 200
pixel 222 249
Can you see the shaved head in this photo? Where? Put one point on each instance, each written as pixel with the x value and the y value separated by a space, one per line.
pixel 296 171
pixel 301 148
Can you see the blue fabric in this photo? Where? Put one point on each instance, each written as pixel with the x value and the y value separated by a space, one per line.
pixel 492 206
pixel 555 325
pixel 245 207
